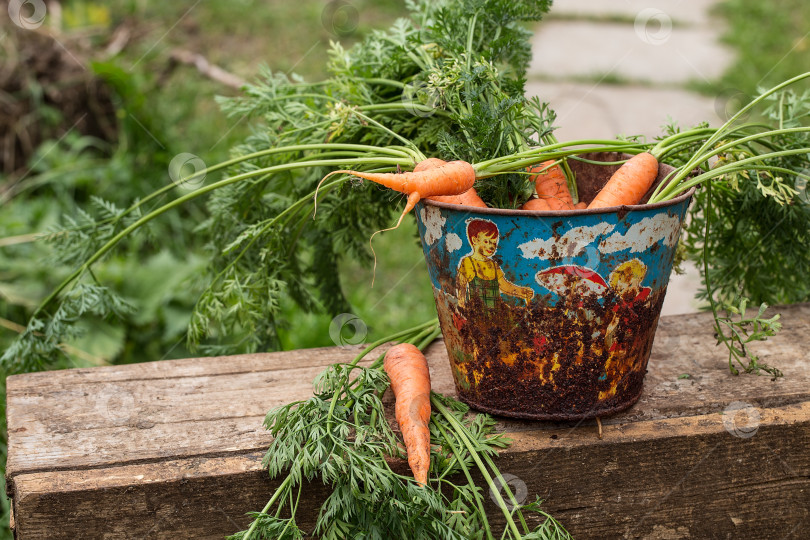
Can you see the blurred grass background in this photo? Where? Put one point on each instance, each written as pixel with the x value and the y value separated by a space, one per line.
pixel 771 40
pixel 157 109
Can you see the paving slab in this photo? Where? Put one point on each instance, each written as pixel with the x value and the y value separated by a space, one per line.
pixel 607 110
pixel 653 52
pixel 693 12
pixel 681 292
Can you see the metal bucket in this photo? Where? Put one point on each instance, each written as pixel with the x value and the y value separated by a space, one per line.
pixel 551 316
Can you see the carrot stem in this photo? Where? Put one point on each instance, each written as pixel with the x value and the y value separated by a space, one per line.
pixel 430 336
pixel 267 507
pixel 570 177
pixel 718 150
pixel 709 293
pixel 478 502
pixel 545 151
pixel 485 171
pixel 371 346
pixel 460 430
pixel 594 162
pixel 724 130
pixel 674 188
pixel 192 195
pixel 394 134
pixel 361 148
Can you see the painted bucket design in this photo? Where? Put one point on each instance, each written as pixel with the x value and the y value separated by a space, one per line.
pixel 551 316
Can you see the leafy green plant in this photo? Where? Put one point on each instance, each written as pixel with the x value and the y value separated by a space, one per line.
pixel 266 251
pixel 341 436
pixel 758 218
pixel 770 40
pixel 262 252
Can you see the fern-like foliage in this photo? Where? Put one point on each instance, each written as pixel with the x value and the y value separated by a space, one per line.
pixel 759 243
pixel 449 80
pixel 446 82
pixel 341 437
pixel 41 344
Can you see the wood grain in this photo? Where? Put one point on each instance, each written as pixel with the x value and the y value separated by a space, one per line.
pixel 173 449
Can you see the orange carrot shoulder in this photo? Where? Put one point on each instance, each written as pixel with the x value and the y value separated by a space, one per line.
pixel 536 205
pixel 407 368
pixel 468 198
pixel 629 183
pixel 429 163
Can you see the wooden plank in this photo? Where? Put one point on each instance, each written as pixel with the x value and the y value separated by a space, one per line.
pixel 617 492
pixel 188 367
pixel 104 450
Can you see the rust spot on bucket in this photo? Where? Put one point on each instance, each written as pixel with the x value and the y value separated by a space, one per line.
pixel 577 359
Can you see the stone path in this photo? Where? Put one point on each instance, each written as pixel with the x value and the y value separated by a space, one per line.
pixel 611 67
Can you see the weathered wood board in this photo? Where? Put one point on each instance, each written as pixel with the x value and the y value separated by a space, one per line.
pixel 173 449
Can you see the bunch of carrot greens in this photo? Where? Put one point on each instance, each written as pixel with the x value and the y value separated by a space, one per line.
pixel 447 83
pixel 341 437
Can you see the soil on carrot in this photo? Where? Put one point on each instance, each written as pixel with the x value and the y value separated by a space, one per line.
pixel 578 357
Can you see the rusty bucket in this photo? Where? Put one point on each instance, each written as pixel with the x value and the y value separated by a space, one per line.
pixel 551 315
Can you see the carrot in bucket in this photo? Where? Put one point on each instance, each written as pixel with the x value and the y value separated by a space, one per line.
pixel 468 198
pixel 451 178
pixel 629 183
pixel 552 186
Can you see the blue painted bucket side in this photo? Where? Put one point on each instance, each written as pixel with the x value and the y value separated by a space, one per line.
pixel 549 315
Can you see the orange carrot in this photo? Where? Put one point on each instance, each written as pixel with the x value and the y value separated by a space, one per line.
pixel 629 183
pixel 429 163
pixel 452 178
pixel 552 186
pixel 581 205
pixel 536 204
pixel 468 198
pixel 410 380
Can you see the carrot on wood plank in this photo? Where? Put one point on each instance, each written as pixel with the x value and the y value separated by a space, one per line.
pixel 407 368
pixel 552 186
pixel 468 198
pixel 629 183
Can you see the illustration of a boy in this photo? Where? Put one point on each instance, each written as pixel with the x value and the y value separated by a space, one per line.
pixel 479 276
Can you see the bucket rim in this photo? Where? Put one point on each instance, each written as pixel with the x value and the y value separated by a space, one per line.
pixel 622 209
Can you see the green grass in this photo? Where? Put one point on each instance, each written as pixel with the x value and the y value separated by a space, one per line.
pixel 609 18
pixel 771 39
pixel 239 36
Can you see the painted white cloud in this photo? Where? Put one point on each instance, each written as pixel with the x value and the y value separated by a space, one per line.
pixel 453 242
pixel 570 244
pixel 433 220
pixel 641 236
